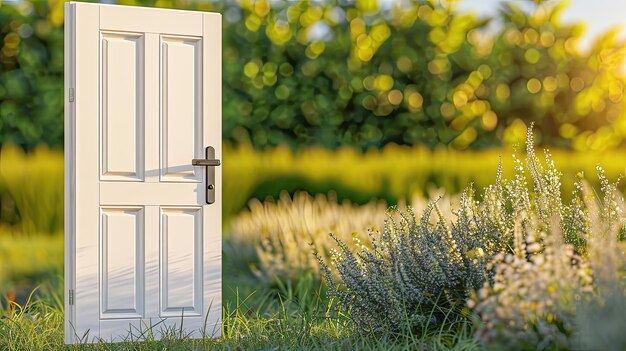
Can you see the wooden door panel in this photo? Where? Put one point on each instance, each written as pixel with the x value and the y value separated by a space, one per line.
pixel 181 261
pixel 122 262
pixel 181 111
pixel 122 101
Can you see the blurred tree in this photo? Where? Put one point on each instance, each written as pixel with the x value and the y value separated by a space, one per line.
pixel 338 72
pixel 31 74
pixel 537 74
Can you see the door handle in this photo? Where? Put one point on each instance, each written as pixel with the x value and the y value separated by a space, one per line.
pixel 210 163
pixel 203 162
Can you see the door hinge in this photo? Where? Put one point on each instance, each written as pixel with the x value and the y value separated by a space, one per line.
pixel 71 296
pixel 71 94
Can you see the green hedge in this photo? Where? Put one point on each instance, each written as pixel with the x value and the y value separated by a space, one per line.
pixel 335 73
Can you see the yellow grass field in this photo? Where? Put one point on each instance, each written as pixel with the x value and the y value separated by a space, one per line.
pixel 31 184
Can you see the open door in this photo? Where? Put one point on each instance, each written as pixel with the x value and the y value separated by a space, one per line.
pixel 143 193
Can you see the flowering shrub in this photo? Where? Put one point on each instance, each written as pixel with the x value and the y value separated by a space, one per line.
pixel 537 290
pixel 531 301
pixel 544 294
pixel 415 271
pixel 519 245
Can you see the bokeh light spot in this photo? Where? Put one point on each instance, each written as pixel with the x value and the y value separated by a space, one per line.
pixel 568 130
pixel 415 100
pixel 550 83
pixel 447 109
pixel 459 98
pixel 530 36
pixel 281 92
pixel 395 97
pixel 365 54
pixel 532 55
pixel 251 69
pixel 261 8
pixel 515 133
pixel 577 84
pixel 383 82
pixel 503 92
pixel 368 83
pixel 489 120
pixel 465 138
pixel 547 39
pixel 533 85
pixel 404 64
pixel 253 22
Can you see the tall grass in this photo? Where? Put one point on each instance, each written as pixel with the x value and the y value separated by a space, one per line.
pixel 391 173
pixel 277 238
pixel 31 184
pixel 26 261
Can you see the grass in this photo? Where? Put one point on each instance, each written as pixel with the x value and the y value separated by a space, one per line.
pixel 27 260
pixel 31 190
pixel 289 317
pixel 278 237
pixel 286 315
pixel 31 184
pixel 289 314
pixel 391 173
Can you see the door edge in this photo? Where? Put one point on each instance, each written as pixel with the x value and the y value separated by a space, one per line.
pixel 69 159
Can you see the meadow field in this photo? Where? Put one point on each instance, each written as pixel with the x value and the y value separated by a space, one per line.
pixel 377 179
pixel 273 286
pixel 371 200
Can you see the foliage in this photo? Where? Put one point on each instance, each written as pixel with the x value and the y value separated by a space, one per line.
pixel 416 267
pixel 418 72
pixel 282 233
pixel 415 271
pixel 358 73
pixel 31 73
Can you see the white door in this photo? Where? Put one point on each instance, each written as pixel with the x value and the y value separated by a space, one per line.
pixel 143 246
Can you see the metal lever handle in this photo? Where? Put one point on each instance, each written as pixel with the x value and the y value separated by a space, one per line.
pixel 210 163
pixel 203 162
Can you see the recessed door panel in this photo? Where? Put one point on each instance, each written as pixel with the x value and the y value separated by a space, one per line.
pixel 122 262
pixel 122 125
pixel 181 263
pixel 181 108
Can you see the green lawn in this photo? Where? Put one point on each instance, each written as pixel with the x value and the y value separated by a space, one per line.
pixel 261 313
pixel 281 317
